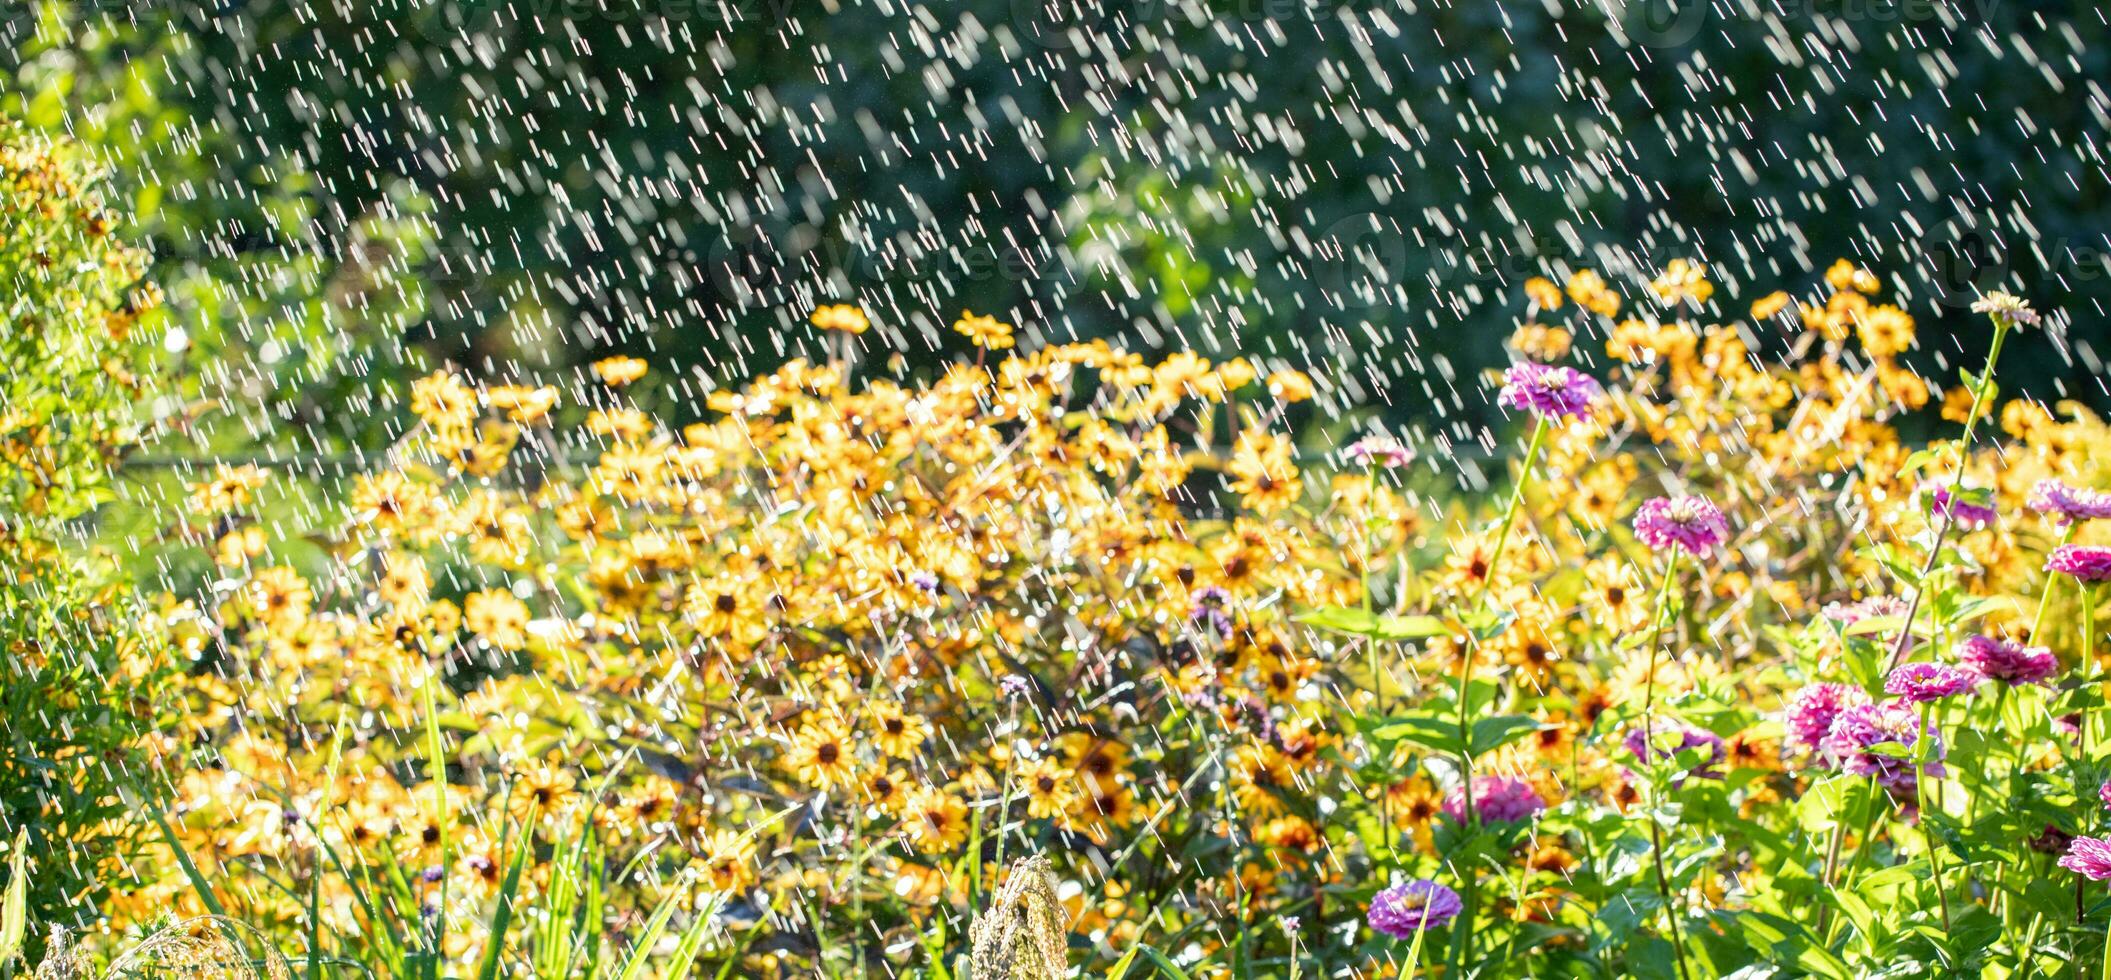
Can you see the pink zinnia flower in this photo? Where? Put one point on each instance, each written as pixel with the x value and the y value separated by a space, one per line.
pixel 1403 910
pixel 2089 857
pixel 1876 606
pixel 1496 799
pixel 1551 393
pixel 1923 682
pixel 1690 524
pixel 1383 452
pixel 2090 563
pixel 2104 793
pixel 1811 712
pixel 2007 662
pixel 1857 730
pixel 2066 505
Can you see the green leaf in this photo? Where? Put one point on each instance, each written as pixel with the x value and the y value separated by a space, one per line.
pixel 190 868
pixel 502 917
pixel 1920 460
pixel 1827 802
pixel 1490 734
pixel 1358 622
pixel 1421 728
pixel 1875 625
pixel 1165 964
pixel 14 911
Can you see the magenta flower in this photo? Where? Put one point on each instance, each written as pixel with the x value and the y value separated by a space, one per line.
pixel 2008 662
pixel 1962 512
pixel 1923 682
pixel 2089 857
pixel 1383 452
pixel 1690 524
pixel 1812 710
pixel 2090 563
pixel 1403 910
pixel 1551 393
pixel 1858 731
pixel 1850 613
pixel 2104 793
pixel 2066 505
pixel 1496 799
pixel 1653 747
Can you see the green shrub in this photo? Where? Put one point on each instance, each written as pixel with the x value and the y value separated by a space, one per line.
pixel 78 682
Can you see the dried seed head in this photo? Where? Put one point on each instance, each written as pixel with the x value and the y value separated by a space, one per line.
pixel 1024 933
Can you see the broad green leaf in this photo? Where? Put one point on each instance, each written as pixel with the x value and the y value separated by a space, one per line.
pixel 1490 734
pixel 14 910
pixel 1358 622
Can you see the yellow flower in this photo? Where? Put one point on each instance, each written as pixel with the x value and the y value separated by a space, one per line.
pixel 442 401
pixel 1543 293
pixel 1589 291
pixel 231 487
pixel 237 547
pixel 1290 385
pixel 281 596
pixel 544 789
pixel 1540 342
pixel 727 862
pixel 404 582
pixel 985 331
pixel 841 317
pixel 521 403
pixel 1845 275
pixel 820 756
pixel 1051 790
pixel 619 370
pixel 392 501
pixel 1766 306
pixel 1415 806
pixel 937 820
pixel 897 733
pixel 498 617
pixel 1683 281
pixel 1263 473
pixel 886 790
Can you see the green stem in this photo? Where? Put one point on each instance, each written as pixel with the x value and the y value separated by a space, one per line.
pixel 2105 972
pixel 1863 846
pixel 1656 642
pixel 1495 562
pixel 1671 915
pixel 1949 516
pixel 1649 732
pixel 2089 683
pixel 1463 934
pixel 1924 741
pixel 2045 596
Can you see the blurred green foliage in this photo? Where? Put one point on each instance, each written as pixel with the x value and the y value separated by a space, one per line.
pixel 79 683
pixel 345 193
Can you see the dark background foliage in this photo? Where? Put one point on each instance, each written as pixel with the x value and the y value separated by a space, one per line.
pixel 1357 188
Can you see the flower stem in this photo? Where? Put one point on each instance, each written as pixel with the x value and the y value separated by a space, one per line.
pixel 1464 933
pixel 1922 749
pixel 1495 561
pixel 1671 915
pixel 1649 702
pixel 1949 514
pixel 2089 682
